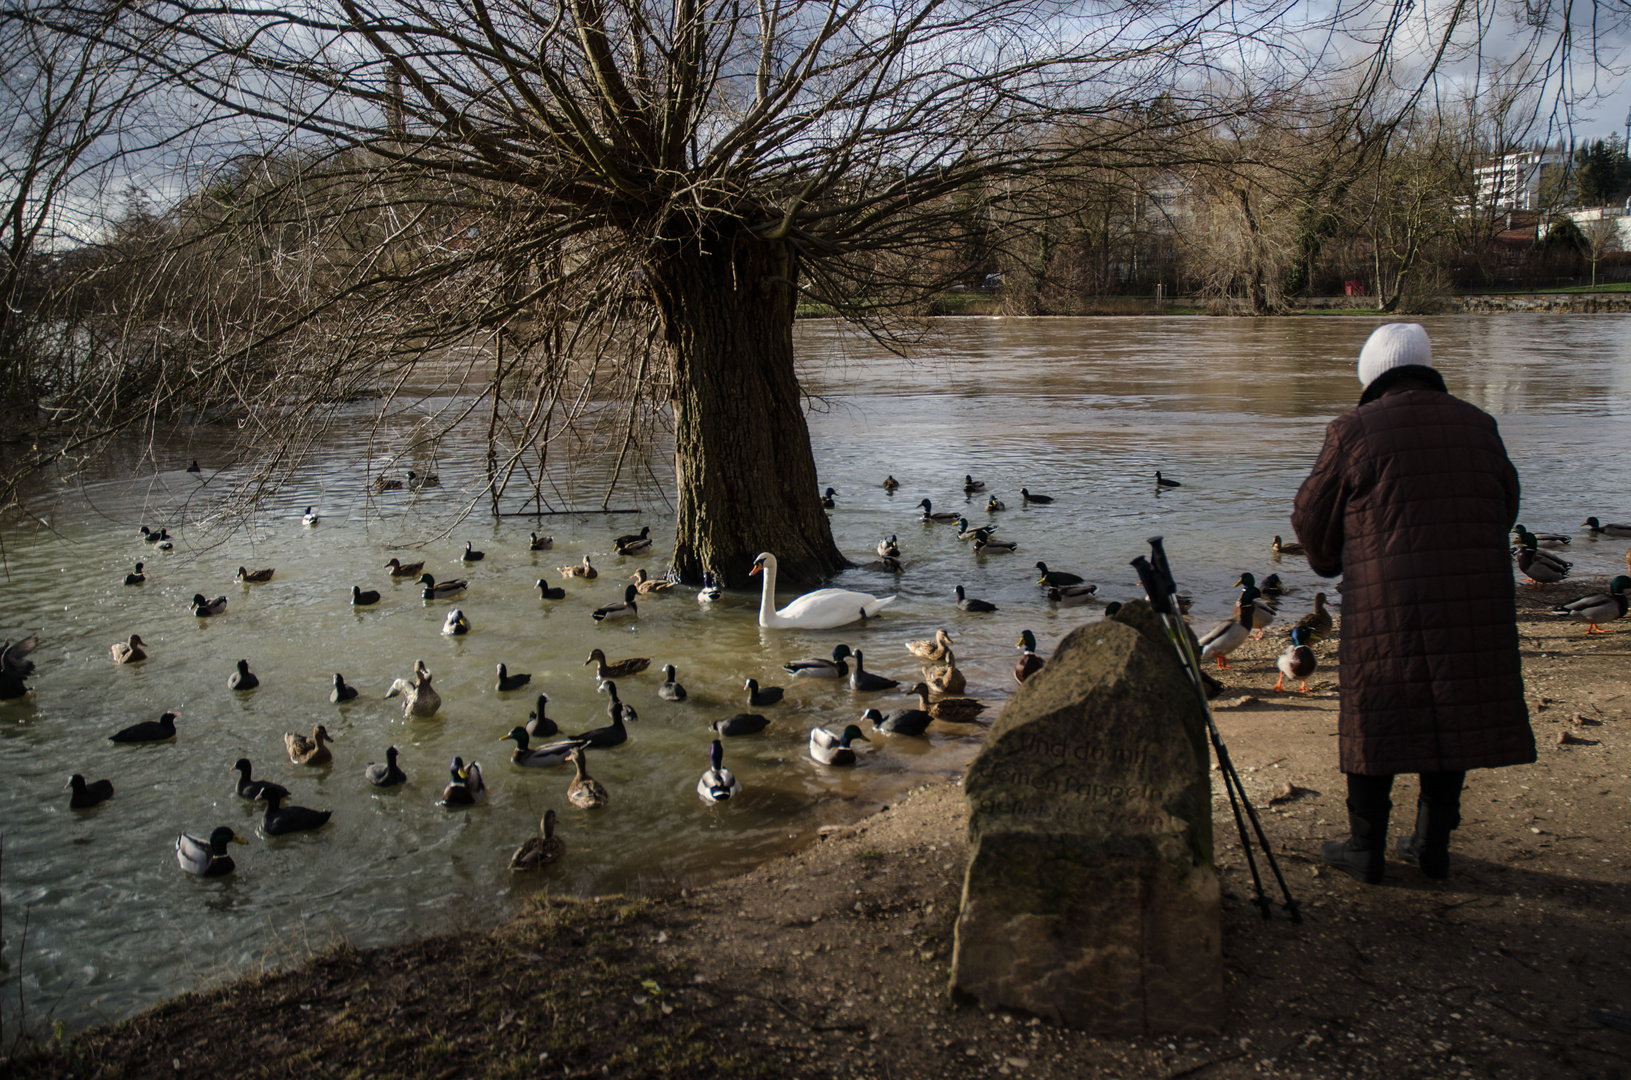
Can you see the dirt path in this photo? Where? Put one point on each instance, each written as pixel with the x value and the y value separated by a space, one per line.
pixel 833 962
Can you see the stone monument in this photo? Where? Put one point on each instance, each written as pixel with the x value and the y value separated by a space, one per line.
pixel 1091 898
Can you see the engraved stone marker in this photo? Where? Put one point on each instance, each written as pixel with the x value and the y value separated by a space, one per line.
pixel 1091 898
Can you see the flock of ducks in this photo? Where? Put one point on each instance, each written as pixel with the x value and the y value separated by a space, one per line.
pixel 539 743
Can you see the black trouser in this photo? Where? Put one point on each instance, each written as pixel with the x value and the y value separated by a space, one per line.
pixel 1440 792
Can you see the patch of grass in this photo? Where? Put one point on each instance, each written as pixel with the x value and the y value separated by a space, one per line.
pixel 869 855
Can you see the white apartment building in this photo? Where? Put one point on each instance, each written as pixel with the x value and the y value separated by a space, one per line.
pixel 1514 182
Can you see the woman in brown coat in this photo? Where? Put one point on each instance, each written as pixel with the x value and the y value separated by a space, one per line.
pixel 1411 501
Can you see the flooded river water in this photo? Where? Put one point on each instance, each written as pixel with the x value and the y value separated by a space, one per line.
pixel 1084 410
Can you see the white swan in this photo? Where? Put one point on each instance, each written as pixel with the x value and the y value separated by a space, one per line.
pixel 823 609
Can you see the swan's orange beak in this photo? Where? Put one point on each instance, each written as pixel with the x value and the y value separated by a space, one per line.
pixel 755 570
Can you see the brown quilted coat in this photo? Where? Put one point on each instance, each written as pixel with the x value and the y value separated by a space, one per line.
pixel 1411 501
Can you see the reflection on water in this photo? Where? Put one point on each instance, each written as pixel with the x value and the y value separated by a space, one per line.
pixel 1082 409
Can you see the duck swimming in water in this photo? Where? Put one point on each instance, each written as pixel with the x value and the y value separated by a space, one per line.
pixel 718 784
pixel 207 858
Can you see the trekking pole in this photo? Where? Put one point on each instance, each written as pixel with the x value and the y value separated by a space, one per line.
pixel 1156 576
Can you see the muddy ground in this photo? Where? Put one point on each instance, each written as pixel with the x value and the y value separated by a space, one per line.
pixel 833 962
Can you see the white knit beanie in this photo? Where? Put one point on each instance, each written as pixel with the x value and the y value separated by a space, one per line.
pixel 1394 345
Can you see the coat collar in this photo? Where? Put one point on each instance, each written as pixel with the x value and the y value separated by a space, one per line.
pixel 1429 378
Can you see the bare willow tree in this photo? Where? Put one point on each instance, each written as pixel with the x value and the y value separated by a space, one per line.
pixel 625 199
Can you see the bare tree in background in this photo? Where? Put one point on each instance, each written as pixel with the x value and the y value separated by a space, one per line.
pixel 621 201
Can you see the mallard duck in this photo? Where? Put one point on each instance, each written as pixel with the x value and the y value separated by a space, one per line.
pixel 1072 595
pixel 648 586
pixel 539 725
pixel 628 609
pixel 419 698
pixel 540 850
pixel 415 481
pixel 1056 578
pixel 548 591
pixel 388 774
pixel 583 570
pixel 609 688
pixel 827 502
pixel 385 483
pixel 1598 607
pixel 465 785
pixel 312 751
pixel 249 787
pixel 248 576
pixel 88 795
pixel 1026 496
pixel 207 858
pixel 1163 482
pixel 830 749
pixel 1112 608
pixel 1262 610
pixel 890 483
pixel 1297 662
pixel 944 517
pixel 950 710
pixel 147 731
pixel 310 518
pixel 508 683
pixel 1318 622
pixel 622 669
pixel 410 570
pixel 129 651
pixel 993 504
pixel 710 591
pixel 819 667
pixel 280 819
pixel 193 468
pixel 1224 638
pixel 457 624
pixel 888 565
pixel 967 603
pixel 613 734
pixel 471 554
pixel 864 681
pixel 971 485
pixel 889 548
pixel 824 609
pixel 538 757
pixel 1293 548
pixel 632 538
pixel 243 678
pixel 931 650
pixel 1540 567
pixel 899 721
pixel 635 547
pixel 15 666
pixel 995 547
pixel 740 724
pixel 761 696
pixel 136 577
pixel 1029 663
pixel 1545 539
pixel 204 608
pixel 435 591
pixel 361 597
pixel 539 543
pixel 155 537
pixel 670 690
pixel 1613 528
pixel 965 531
pixel 586 793
pixel 718 784
pixel 947 678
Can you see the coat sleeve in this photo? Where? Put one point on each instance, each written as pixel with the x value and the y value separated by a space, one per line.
pixel 1321 506
pixel 1509 483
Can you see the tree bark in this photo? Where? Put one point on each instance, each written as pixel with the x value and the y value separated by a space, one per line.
pixel 742 459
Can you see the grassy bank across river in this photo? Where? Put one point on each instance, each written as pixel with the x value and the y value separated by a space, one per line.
pixel 833 962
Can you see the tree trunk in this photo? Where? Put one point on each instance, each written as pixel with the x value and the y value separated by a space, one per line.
pixel 746 476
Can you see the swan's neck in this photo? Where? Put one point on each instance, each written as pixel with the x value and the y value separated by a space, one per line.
pixel 767 595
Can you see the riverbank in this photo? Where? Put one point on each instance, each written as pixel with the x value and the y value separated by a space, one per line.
pixel 833 962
